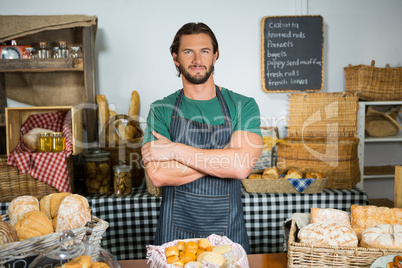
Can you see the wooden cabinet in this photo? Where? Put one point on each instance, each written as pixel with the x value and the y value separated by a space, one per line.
pixel 48 76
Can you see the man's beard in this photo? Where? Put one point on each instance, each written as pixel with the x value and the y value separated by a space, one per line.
pixel 197 80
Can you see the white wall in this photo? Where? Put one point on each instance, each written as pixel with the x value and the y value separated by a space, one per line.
pixel 133 39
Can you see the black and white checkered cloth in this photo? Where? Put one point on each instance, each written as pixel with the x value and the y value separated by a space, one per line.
pixel 133 218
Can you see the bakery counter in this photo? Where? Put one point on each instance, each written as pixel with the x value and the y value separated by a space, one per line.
pixel 133 218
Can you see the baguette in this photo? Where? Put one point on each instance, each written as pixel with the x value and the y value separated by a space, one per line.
pixel 103 110
pixel 134 108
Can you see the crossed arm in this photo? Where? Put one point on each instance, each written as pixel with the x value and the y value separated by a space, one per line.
pixel 174 164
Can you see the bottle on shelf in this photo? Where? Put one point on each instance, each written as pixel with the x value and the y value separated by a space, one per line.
pixel 63 49
pixel 43 51
pixel 76 52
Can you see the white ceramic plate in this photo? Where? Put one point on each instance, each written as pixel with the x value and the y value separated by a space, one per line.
pixel 381 262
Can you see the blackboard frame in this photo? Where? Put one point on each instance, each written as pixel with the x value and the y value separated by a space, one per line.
pixel 318 42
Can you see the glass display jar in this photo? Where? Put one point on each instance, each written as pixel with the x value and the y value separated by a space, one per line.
pixel 63 49
pixel 97 172
pixel 70 248
pixel 58 142
pixel 56 53
pixel 76 52
pixel 122 179
pixel 45 142
pixel 43 51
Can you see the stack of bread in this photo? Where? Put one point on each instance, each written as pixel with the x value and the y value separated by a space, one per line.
pixel 54 213
pixel 368 226
pixel 123 131
pixel 273 173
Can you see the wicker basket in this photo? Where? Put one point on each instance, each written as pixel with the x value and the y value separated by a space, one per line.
pixel 337 160
pixel 152 190
pixel 36 245
pixel 13 184
pixel 322 115
pixel 303 255
pixel 127 150
pixel 373 83
pixel 281 186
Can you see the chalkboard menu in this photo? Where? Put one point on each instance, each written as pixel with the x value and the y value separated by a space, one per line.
pixel 292 53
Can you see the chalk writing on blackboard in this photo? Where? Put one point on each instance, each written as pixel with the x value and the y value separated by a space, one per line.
pixel 292 53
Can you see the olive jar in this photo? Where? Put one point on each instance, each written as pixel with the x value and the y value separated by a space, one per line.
pixel 97 169
pixel 122 179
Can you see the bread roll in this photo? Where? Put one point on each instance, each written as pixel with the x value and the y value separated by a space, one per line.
pixel 293 174
pixel 50 204
pixel 73 213
pixel 383 236
pixel 33 224
pixel 171 251
pixel 20 206
pixel 314 175
pixel 255 176
pixel 188 256
pixel 328 234
pixel 271 173
pixel 329 215
pixel 83 261
pixel 180 245
pixel 191 246
pixel 99 265
pixel 363 217
pixel 222 249
pixel 31 138
pixel 213 257
pixel 103 110
pixel 8 233
pixel 203 244
pixel 179 263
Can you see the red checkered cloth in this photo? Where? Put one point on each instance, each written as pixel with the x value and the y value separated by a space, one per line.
pixel 50 168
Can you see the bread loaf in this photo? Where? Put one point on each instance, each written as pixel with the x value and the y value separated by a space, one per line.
pixel 271 173
pixel 293 174
pixel 31 138
pixel 328 234
pixel 255 176
pixel 212 257
pixel 20 206
pixel 314 175
pixel 329 215
pixel 8 233
pixel 383 236
pixel 363 217
pixel 33 224
pixel 50 204
pixel 73 213
pixel 103 110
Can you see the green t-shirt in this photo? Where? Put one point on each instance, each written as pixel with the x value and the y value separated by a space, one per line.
pixel 243 110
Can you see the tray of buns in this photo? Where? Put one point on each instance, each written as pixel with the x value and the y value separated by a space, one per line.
pixel 270 181
pixel 32 227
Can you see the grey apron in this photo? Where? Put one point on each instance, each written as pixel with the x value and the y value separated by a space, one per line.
pixel 210 204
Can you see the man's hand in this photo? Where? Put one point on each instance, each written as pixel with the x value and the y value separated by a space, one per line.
pixel 158 150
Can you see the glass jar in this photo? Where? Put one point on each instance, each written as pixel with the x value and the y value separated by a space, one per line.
pixel 56 53
pixel 28 53
pixel 97 172
pixel 122 179
pixel 58 142
pixel 63 49
pixel 76 52
pixel 43 51
pixel 45 142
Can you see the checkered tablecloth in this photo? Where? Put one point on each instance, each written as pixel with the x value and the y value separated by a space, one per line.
pixel 133 218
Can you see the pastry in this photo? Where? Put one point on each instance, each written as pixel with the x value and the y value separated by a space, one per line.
pixel 33 224
pixel 83 261
pixel 21 205
pixel 180 245
pixel 255 176
pixel 171 251
pixel 99 265
pixel 271 173
pixel 328 234
pixel 383 236
pixel 203 244
pixel 188 256
pixel 329 215
pixel 73 213
pixel 293 174
pixel 191 246
pixel 363 217
pixel 8 233
pixel 314 175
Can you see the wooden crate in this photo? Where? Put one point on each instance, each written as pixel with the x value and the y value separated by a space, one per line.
pixel 16 117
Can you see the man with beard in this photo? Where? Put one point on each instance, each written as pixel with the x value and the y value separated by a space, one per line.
pixel 200 142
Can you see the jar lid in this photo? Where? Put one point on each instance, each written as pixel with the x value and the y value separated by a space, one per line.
pixel 75 48
pixel 58 133
pixel 96 152
pixel 44 134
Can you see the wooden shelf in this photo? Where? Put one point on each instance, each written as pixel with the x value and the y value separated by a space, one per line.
pixel 41 65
